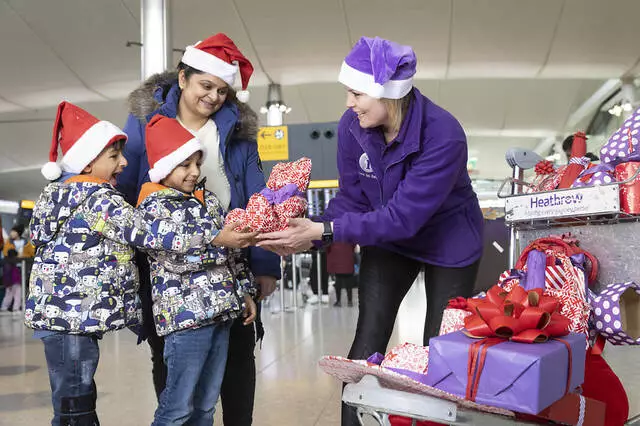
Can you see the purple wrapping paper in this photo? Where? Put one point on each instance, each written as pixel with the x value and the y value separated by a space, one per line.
pixel 522 377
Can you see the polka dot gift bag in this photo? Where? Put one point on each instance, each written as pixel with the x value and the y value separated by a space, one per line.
pixel 622 150
pixel 624 142
pixel 616 313
pixel 600 174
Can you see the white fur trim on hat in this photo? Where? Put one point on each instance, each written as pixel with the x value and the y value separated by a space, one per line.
pixel 211 64
pixel 51 171
pixel 89 145
pixel 242 96
pixel 164 166
pixel 363 82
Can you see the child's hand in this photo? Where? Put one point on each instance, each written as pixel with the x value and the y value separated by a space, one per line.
pixel 229 237
pixel 250 310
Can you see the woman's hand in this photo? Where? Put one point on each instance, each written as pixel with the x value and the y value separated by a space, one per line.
pixel 298 237
pixel 250 310
pixel 229 237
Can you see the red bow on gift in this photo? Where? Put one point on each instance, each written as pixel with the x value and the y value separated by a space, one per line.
pixel 458 303
pixel 544 167
pixel 519 315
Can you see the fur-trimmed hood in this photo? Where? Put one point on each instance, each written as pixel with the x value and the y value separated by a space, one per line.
pixel 142 102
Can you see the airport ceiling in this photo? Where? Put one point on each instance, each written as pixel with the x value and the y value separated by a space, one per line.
pixel 511 70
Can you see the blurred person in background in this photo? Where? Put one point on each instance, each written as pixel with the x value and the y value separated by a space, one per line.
pixel 341 262
pixel 11 279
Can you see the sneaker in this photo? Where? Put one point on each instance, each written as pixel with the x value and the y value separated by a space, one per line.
pixel 325 299
pixel 350 304
pixel 313 300
pixel 337 304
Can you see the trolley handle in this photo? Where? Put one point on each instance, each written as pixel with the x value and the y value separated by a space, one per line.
pixel 527 184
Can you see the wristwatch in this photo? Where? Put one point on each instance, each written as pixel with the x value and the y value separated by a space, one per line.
pixel 327 234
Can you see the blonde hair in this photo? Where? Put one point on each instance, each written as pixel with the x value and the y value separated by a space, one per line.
pixel 397 110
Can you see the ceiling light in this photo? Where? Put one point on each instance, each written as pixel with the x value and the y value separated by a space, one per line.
pixel 275 108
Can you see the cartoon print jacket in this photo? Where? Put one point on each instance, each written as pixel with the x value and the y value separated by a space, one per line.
pixel 83 279
pixel 193 290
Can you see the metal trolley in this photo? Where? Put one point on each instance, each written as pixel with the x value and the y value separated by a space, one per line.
pixel 599 224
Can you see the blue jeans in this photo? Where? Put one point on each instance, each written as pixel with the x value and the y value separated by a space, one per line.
pixel 72 361
pixel 195 360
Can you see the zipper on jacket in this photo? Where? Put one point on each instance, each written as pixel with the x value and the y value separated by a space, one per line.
pixel 200 186
pixel 230 175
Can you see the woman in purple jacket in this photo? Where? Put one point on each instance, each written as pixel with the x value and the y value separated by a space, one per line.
pixel 405 197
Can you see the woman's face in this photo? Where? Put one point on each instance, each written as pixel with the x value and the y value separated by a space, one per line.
pixel 371 111
pixel 202 94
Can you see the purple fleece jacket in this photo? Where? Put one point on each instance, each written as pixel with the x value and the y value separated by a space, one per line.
pixel 412 196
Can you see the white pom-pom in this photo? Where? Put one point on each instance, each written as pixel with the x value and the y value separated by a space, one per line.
pixel 242 96
pixel 51 171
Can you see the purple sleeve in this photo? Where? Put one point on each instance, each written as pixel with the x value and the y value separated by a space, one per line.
pixel 350 197
pixel 418 197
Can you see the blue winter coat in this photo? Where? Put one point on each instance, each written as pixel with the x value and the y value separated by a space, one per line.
pixel 412 196
pixel 193 290
pixel 237 126
pixel 84 280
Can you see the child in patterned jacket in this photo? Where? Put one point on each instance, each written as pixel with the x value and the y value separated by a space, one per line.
pixel 84 282
pixel 195 299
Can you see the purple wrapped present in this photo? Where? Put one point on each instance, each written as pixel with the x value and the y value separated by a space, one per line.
pixel 619 148
pixel 616 313
pixel 522 377
pixel 601 174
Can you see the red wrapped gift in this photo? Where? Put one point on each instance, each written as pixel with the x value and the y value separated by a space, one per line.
pixel 282 199
pixel 572 409
pixel 629 192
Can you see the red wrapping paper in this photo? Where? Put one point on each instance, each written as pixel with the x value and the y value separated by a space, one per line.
pixel 629 192
pixel 263 216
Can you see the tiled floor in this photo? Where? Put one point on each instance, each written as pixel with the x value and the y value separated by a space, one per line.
pixel 291 389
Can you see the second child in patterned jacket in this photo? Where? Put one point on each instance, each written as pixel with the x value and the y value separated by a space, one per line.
pixel 195 298
pixel 84 282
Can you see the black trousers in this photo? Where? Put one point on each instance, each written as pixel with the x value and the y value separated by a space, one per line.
pixel 347 282
pixel 385 278
pixel 239 383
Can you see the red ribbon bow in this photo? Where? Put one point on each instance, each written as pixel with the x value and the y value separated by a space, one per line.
pixel 458 303
pixel 544 167
pixel 519 315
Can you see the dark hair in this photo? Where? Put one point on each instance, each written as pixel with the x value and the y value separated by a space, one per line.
pixel 119 144
pixel 567 144
pixel 19 229
pixel 188 70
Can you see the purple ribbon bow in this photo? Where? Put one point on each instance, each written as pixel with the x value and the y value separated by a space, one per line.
pixel 602 167
pixel 280 195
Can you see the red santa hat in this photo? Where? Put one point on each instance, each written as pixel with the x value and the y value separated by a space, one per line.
pixel 168 145
pixel 219 56
pixel 81 137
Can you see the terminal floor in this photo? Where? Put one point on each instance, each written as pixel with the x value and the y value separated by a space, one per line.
pixel 291 389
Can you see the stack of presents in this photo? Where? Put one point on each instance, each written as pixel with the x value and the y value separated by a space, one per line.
pixel 620 162
pixel 530 348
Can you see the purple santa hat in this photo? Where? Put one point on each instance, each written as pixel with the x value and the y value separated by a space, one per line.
pixel 380 68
